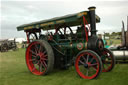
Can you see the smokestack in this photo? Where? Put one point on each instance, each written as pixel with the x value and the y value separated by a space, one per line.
pixel 123 34
pixel 92 20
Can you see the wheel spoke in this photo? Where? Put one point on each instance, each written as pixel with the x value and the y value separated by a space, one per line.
pixel 34 55
pixel 44 59
pixel 44 64
pixel 87 72
pixel 91 60
pixel 105 66
pixel 87 58
pixel 106 63
pixel 33 69
pixel 93 64
pixel 40 67
pixel 44 52
pixel 45 55
pixel 32 59
pixel 81 62
pixel 38 62
pixel 33 52
pixel 84 59
pixel 94 68
pixel 36 49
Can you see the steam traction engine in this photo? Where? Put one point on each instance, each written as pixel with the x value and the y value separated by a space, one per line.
pixel 65 48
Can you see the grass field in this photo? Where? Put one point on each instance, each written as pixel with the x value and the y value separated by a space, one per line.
pixel 114 41
pixel 13 71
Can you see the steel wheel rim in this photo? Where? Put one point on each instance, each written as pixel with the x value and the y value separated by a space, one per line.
pixel 106 66
pixel 95 66
pixel 36 58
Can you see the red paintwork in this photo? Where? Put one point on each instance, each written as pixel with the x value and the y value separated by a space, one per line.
pixel 86 33
pixel 80 48
pixel 105 62
pixel 41 62
pixel 28 41
pixel 89 65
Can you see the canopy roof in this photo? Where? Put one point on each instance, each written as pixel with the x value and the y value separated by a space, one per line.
pixel 68 20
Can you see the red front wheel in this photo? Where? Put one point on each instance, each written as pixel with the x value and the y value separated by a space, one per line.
pixel 88 64
pixel 39 57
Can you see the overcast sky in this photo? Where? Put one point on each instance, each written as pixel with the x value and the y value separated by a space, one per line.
pixel 15 13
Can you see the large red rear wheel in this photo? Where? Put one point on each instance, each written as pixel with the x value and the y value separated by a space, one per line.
pixel 88 64
pixel 39 57
pixel 108 60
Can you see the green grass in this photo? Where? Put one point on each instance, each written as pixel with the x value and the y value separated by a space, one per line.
pixel 114 41
pixel 13 71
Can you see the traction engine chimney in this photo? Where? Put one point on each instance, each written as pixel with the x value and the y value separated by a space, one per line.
pixel 92 20
pixel 127 23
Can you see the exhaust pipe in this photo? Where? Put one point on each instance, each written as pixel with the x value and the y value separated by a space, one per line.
pixel 127 23
pixel 123 35
pixel 127 34
pixel 92 20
